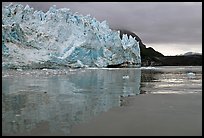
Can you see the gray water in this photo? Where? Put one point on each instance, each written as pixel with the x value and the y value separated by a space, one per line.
pixel 50 102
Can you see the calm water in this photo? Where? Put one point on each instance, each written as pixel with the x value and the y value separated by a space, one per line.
pixel 50 102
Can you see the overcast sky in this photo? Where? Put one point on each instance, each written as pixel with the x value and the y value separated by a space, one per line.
pixel 169 27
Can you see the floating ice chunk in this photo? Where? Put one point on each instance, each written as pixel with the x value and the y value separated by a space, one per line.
pixel 191 75
pixel 126 77
pixel 149 67
pixel 44 69
pixel 19 70
pixel 5 76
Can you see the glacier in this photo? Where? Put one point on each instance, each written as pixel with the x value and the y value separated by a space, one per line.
pixel 61 38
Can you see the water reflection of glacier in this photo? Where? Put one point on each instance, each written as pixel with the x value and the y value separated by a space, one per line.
pixel 56 103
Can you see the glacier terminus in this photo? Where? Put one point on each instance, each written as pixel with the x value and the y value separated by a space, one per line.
pixel 36 39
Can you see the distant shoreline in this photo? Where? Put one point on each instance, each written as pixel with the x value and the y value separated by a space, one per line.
pixel 193 60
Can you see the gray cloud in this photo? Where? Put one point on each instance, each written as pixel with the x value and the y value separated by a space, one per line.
pixel 155 22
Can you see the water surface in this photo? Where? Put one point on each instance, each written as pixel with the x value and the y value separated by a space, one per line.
pixel 51 102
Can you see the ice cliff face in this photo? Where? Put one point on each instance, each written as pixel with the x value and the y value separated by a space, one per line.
pixel 34 39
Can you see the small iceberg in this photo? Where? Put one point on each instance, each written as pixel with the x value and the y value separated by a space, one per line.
pixel 191 75
pixel 19 69
pixel 126 77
